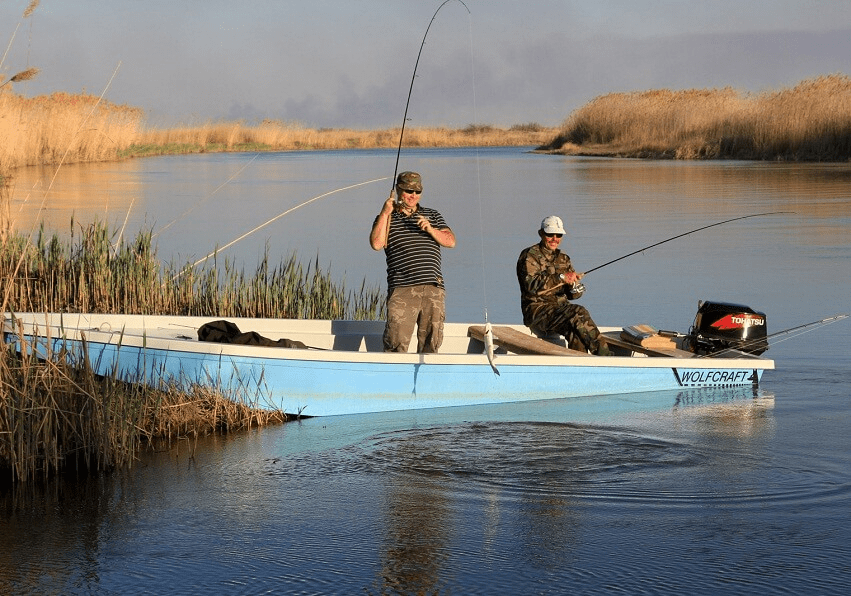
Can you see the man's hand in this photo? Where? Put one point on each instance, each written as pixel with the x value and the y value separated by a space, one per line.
pixel 424 224
pixel 571 277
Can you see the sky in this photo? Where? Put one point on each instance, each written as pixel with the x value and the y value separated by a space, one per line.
pixel 350 63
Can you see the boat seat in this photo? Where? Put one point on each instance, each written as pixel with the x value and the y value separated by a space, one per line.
pixel 522 343
pixel 551 336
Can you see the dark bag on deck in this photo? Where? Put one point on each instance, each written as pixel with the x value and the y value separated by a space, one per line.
pixel 225 332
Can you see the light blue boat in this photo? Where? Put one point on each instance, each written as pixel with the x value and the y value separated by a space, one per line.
pixel 343 369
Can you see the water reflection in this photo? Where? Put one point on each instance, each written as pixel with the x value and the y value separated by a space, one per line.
pixel 477 498
pixel 55 534
pixel 417 515
pixel 106 192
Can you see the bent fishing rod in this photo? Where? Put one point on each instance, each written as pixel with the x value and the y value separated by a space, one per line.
pixel 411 89
pixel 635 252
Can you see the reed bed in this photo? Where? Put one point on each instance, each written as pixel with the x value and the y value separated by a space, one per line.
pixel 94 271
pixel 62 417
pixel 59 417
pixel 808 122
pixel 63 128
pixel 281 136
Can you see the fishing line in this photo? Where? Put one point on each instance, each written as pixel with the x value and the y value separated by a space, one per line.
pixel 277 217
pixel 478 174
pixel 221 186
pixel 121 231
pixel 488 337
pixel 411 89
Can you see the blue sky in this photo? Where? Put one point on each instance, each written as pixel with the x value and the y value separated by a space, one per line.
pixel 348 63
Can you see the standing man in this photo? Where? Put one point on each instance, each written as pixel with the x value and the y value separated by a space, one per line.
pixel 547 284
pixel 411 236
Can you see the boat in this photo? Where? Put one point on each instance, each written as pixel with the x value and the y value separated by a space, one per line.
pixel 338 367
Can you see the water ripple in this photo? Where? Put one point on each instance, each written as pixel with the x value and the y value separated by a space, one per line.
pixel 594 464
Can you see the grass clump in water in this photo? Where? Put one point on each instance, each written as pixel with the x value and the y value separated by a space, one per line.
pixel 60 417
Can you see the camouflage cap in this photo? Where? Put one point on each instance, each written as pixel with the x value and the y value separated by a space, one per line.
pixel 410 181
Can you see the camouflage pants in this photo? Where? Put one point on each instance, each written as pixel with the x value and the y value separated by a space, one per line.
pixel 423 306
pixel 573 322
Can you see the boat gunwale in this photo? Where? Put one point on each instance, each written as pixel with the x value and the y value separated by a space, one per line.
pixel 168 339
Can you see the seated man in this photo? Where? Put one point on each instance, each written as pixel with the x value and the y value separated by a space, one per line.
pixel 547 284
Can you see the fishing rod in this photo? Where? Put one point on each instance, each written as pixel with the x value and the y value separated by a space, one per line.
pixel 580 276
pixel 681 235
pixel 411 89
pixel 820 322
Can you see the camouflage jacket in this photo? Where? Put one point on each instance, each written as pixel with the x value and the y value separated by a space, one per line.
pixel 538 271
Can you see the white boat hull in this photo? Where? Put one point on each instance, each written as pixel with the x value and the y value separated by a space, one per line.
pixel 346 372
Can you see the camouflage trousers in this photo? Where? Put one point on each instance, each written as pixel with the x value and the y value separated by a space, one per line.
pixel 420 306
pixel 573 322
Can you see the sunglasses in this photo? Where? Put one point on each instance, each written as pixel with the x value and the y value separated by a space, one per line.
pixel 553 235
pixel 411 192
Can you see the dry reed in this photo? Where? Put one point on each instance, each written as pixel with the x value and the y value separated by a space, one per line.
pixel 282 136
pixel 810 121
pixel 91 272
pixel 66 128
pixel 78 128
pixel 58 416
pixel 62 417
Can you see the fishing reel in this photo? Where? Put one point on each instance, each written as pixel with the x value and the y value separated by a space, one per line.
pixel 575 290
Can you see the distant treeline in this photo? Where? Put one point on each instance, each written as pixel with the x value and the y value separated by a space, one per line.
pixel 809 122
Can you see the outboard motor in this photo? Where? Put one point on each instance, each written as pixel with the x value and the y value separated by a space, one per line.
pixel 721 326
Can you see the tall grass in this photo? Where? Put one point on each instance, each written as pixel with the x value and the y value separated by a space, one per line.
pixel 57 417
pixel 810 121
pixel 65 128
pixel 93 272
pixel 282 136
pixel 61 417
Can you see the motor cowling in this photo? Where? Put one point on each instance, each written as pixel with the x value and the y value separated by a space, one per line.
pixel 722 326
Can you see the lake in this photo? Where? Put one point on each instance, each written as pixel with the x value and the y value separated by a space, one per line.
pixel 730 491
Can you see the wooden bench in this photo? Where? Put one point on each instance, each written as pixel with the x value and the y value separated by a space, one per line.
pixel 614 339
pixel 521 343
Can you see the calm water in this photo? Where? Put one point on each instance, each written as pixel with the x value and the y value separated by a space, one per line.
pixel 703 492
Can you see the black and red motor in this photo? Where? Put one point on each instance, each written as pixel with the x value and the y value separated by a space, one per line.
pixel 720 326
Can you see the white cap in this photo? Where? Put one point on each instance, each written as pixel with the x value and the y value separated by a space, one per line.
pixel 552 225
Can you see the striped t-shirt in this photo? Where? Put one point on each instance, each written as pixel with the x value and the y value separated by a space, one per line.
pixel 413 256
